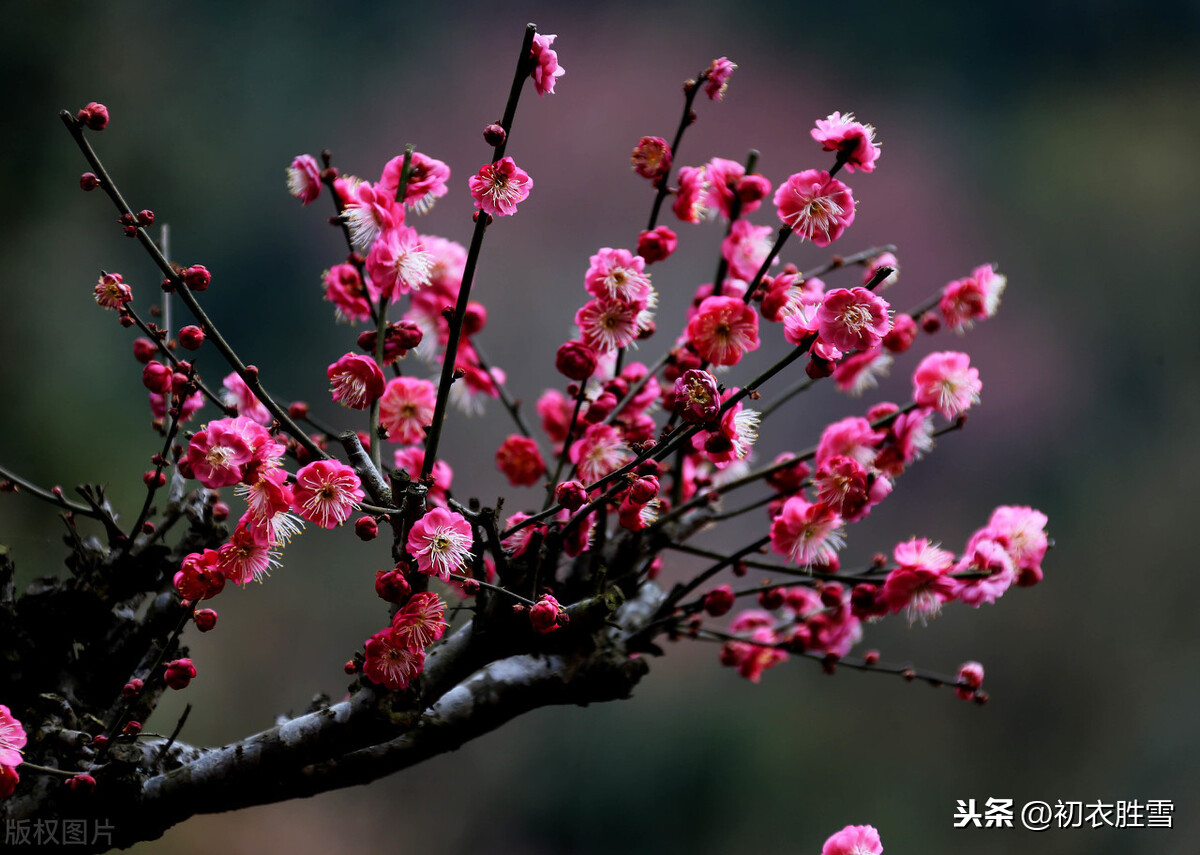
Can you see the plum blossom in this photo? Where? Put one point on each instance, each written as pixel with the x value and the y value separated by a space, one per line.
pixel 421 621
pixel 304 178
pixel 723 330
pixel 599 452
pixel 946 382
pixel 546 69
pixel 853 319
pixel 406 408
pixel 12 738
pixel 440 542
pixel 617 274
pixel 807 532
pixel 427 179
pixel 852 140
pixel 355 381
pixel 854 840
pixel 815 206
pixel 398 262
pixel 499 187
pixel 238 395
pixel 327 492
pixel 391 662
pixel 716 78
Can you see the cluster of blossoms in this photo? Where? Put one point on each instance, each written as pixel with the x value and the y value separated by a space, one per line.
pixel 641 455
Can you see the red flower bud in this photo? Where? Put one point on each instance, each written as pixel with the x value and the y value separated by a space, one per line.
pixel 575 361
pixel 191 337
pixel 132 689
pixel 366 528
pixel 88 181
pixel 205 619
pixel 197 277
pixel 719 600
pixel 571 495
pixel 179 673
pixel 94 115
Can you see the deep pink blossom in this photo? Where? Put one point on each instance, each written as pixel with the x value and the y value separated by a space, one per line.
pixel 853 437
pixel 218 454
pixel 652 158
pixel 716 78
pixel 546 614
pixel 736 433
pixel 723 330
pixel 986 555
pixel 852 140
pixel 815 206
pixel 946 382
pixel 440 542
pixel 546 69
pixel 327 492
pixel 520 460
pixel 355 381
pixel 884 259
pixel 975 298
pixel 304 178
pixel 406 409
pixel 853 319
pixel 724 176
pixel 806 532
pixel 499 187
pixel 369 210
pixel 247 555
pixel 861 371
pixel 427 180
pixel 200 576
pixel 554 410
pixel 691 198
pixel 854 840
pixel 12 738
pixel 8 780
pixel 111 292
pixel 922 581
pixel 391 662
pixel 697 398
pixel 1023 531
pixel 421 622
pixel 344 288
pixel 656 244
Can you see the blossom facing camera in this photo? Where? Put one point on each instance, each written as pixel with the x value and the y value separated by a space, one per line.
pixel 854 840
pixel 499 187
pixel 815 206
pixel 327 492
pixel 441 543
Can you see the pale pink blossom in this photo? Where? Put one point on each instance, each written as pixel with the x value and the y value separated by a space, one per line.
pixel 853 319
pixel 853 437
pixel 499 187
pixel 12 738
pixel 599 452
pixel 806 532
pixel 861 371
pixel 975 298
pixel 607 325
pixel 946 382
pixel 746 247
pixel 427 179
pixel 854 840
pixel 815 206
pixel 716 78
pixel 986 555
pixel 723 330
pixel 922 582
pixel 304 178
pixel 327 492
pixel 355 381
pixel 1023 531
pixel 406 409
pixel 884 259
pixel 852 140
pixel 440 542
pixel 391 662
pixel 238 395
pixel 398 262
pixel 546 69
pixel 617 274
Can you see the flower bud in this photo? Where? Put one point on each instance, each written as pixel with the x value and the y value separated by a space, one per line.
pixel 719 600
pixel 575 360
pixel 902 334
pixel 179 673
pixel 191 337
pixel 132 689
pixel 494 135
pixel 656 244
pixel 144 350
pixel 197 277
pixel 771 600
pixel 752 188
pixel 205 619
pixel 145 218
pixel 82 783
pixel 474 319
pixel 643 490
pixel 94 115
pixel 391 586
pixel 157 377
pixel 601 408
pixel 131 728
pixel 366 528
pixel 544 615
pixel 571 495
pixel 88 182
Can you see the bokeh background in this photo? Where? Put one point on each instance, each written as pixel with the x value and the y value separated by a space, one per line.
pixel 1057 139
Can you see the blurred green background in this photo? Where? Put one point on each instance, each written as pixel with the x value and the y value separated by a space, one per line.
pixel 1057 139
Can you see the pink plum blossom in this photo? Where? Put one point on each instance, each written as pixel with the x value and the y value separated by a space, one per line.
pixel 238 395
pixel 406 409
pixel 599 452
pixel 806 532
pixel 440 542
pixel 391 662
pixel 854 840
pixel 499 187
pixel 327 492
pixel 723 330
pixel 355 381
pixel 716 78
pixel 427 179
pixel 815 206
pixel 618 274
pixel 398 262
pixel 304 178
pixel 652 158
pixel 520 460
pixel 12 738
pixel 853 141
pixel 546 69
pixel 421 621
pixel 853 319
pixel 946 382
